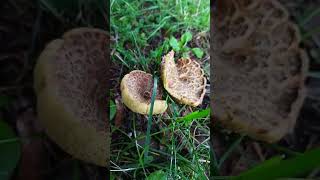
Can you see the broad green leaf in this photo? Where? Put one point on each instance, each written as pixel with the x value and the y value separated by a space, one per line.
pixel 289 168
pixel 113 109
pixel 157 175
pixel 185 49
pixel 185 38
pixel 185 55
pixel 174 44
pixel 198 52
pixel 10 150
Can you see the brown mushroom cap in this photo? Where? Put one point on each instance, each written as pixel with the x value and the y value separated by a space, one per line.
pixel 136 91
pixel 70 83
pixel 184 81
pixel 259 69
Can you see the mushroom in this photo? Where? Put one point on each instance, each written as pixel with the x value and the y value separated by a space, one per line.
pixel 136 91
pixel 185 81
pixel 70 84
pixel 259 69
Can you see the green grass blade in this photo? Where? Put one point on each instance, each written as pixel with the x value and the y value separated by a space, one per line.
pixel 309 17
pixel 314 74
pixel 282 149
pixel 214 169
pixel 195 115
pixel 153 97
pixel 113 109
pixel 280 168
pixel 311 33
pixel 266 164
pixel 47 4
pixel 10 140
pixel 232 147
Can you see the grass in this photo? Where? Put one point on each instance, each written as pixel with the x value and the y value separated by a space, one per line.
pixel 175 139
pixel 143 31
pixel 143 28
pixel 147 144
pixel 303 21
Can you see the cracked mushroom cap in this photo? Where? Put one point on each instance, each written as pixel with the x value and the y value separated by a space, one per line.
pixel 70 84
pixel 259 69
pixel 136 91
pixel 183 80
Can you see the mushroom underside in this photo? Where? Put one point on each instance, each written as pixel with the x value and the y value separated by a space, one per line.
pixel 183 80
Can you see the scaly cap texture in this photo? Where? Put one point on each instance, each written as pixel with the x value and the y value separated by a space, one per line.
pixel 259 69
pixel 136 91
pixel 70 83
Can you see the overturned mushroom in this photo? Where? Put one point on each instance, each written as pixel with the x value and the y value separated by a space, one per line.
pixel 184 81
pixel 70 83
pixel 259 68
pixel 136 91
